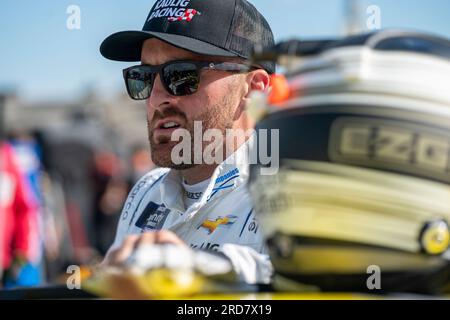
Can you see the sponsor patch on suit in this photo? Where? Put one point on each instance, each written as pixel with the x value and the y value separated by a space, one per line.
pixel 153 217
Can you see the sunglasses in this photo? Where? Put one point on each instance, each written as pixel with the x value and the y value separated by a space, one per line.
pixel 179 78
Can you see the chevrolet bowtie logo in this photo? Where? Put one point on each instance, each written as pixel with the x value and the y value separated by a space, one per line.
pixel 211 225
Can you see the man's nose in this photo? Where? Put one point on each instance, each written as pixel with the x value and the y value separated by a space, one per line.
pixel 159 97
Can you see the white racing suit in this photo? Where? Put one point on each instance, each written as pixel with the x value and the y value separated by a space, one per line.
pixel 221 220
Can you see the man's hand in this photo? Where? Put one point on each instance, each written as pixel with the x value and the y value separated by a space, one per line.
pixel 117 256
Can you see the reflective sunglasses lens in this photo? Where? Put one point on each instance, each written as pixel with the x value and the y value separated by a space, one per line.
pixel 181 78
pixel 139 83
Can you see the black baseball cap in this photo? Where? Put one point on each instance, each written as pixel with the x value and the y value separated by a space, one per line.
pixel 226 28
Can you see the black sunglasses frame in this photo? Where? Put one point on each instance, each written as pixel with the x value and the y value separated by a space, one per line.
pixel 200 65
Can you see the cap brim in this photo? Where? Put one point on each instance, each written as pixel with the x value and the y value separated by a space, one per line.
pixel 127 45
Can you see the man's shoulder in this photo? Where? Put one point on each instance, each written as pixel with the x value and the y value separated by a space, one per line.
pixel 150 178
pixel 140 189
pixel 155 173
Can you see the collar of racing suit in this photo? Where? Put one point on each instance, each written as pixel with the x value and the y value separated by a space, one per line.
pixel 228 176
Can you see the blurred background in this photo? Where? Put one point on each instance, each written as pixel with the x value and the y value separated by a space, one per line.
pixel 76 143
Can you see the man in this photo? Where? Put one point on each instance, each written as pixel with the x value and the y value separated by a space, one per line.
pixel 194 67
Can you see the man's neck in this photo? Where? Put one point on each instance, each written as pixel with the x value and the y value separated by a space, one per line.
pixel 202 172
pixel 198 173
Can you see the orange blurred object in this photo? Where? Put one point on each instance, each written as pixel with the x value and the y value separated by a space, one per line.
pixel 280 89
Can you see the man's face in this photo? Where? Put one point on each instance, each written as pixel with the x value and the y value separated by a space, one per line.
pixel 215 103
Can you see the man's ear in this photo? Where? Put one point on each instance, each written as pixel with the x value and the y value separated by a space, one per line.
pixel 258 80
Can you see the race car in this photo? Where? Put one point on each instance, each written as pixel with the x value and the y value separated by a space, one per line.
pixel 361 201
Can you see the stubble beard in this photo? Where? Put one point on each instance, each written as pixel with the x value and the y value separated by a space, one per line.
pixel 219 116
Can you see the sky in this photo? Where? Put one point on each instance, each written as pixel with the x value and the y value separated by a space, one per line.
pixel 43 60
